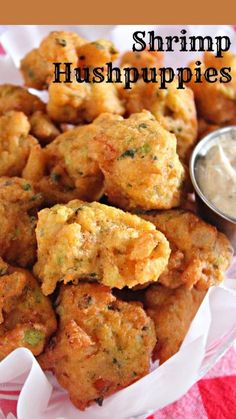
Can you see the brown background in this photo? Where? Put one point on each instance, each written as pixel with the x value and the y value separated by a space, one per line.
pixel 114 12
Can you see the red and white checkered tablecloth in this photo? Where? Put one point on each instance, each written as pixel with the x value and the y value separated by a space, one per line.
pixel 213 397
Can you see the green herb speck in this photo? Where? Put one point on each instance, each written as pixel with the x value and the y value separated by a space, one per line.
pixel 97 45
pixel 55 177
pixel 31 73
pixel 60 260
pixel 93 275
pixel 61 42
pixel 38 296
pixel 143 125
pixel 26 186
pixel 128 153
pixel 33 336
pixel 145 148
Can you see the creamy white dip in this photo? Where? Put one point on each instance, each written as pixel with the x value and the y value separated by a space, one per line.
pixel 216 174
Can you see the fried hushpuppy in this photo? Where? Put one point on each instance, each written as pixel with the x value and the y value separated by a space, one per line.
pixel 58 46
pixel 17 98
pixel 173 108
pixel 172 312
pixel 216 102
pixel 61 46
pixel 26 315
pixel 200 254
pixel 18 216
pixel 70 172
pixel 35 70
pixel 139 161
pixel 43 128
pixel 96 53
pixel 142 59
pixel 79 103
pixel 16 145
pixel 102 344
pixel 81 240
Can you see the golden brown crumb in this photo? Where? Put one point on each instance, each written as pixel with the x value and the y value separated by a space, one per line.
pixel 26 316
pixel 172 312
pixel 139 161
pixel 199 253
pixel 102 345
pixel 81 240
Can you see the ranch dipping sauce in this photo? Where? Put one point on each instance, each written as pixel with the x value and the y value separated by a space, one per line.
pixel 216 173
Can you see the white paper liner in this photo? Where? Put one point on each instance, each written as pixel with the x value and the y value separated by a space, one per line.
pixel 213 329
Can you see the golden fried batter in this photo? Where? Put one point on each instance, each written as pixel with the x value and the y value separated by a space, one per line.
pixel 81 240
pixel 97 53
pixel 139 161
pixel 142 59
pixel 43 128
pixel 16 98
pixel 18 211
pixel 172 312
pixel 77 103
pixel 35 70
pixel 102 345
pixel 26 316
pixel 16 145
pixel 199 253
pixel 71 173
pixel 216 102
pixel 173 108
pixel 61 46
pixel 37 66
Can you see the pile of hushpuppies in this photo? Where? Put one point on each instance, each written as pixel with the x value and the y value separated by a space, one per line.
pixel 96 290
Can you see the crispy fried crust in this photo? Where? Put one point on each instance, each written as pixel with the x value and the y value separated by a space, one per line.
pixel 18 216
pixel 43 128
pixel 37 66
pixel 199 253
pixel 81 240
pixel 139 161
pixel 172 312
pixel 102 345
pixel 70 172
pixel 63 47
pixel 79 103
pixel 35 70
pixel 216 102
pixel 26 316
pixel 17 98
pixel 96 54
pixel 16 145
pixel 173 108
pixel 142 59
